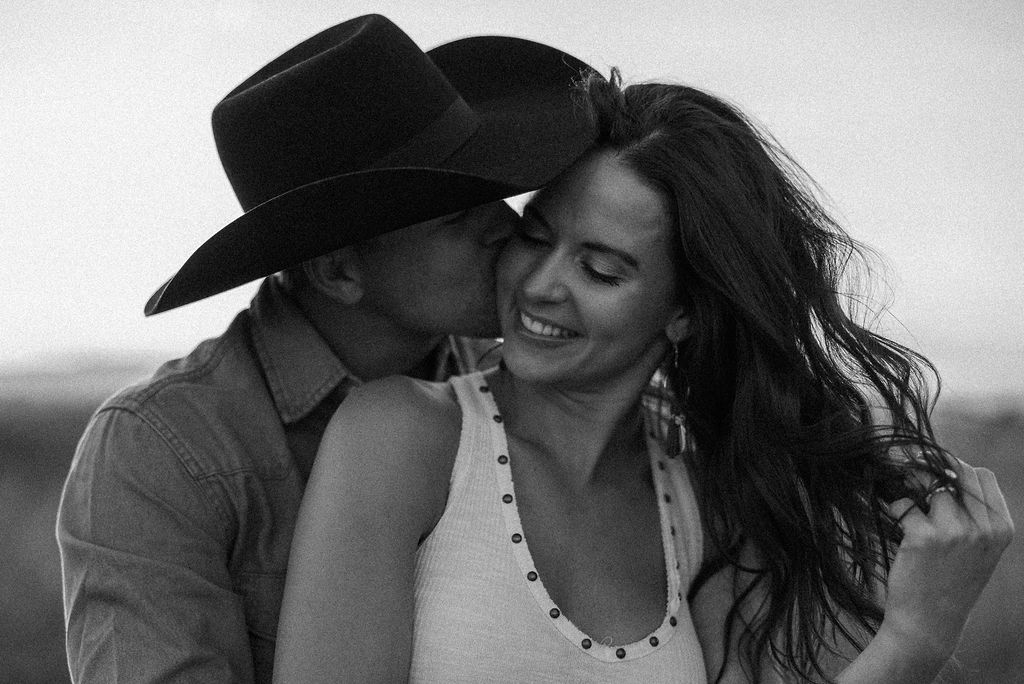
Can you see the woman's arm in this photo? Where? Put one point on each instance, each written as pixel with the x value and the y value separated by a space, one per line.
pixel 940 569
pixel 709 611
pixel 378 486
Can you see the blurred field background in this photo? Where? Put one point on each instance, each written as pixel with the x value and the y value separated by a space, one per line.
pixel 43 414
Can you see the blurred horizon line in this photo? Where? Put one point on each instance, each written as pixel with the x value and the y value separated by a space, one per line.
pixel 95 373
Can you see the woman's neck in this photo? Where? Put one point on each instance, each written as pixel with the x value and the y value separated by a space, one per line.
pixel 583 432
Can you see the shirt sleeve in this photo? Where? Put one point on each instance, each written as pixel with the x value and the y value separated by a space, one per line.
pixel 144 551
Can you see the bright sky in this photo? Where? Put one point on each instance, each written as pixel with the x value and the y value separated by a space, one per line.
pixel 907 113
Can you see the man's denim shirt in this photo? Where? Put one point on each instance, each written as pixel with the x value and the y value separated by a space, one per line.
pixel 177 514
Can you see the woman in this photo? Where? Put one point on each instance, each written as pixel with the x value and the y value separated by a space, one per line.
pixel 528 524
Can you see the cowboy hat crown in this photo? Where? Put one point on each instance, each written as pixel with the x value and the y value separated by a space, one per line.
pixel 339 102
pixel 356 131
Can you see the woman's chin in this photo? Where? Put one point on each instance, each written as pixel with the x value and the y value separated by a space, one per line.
pixel 529 365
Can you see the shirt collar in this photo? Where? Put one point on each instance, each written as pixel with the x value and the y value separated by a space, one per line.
pixel 300 368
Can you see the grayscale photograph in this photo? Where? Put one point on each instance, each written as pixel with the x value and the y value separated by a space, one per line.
pixel 512 342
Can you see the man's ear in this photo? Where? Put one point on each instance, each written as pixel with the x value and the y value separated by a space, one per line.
pixel 338 275
pixel 678 327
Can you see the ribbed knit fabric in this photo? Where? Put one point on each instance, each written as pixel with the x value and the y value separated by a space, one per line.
pixel 482 612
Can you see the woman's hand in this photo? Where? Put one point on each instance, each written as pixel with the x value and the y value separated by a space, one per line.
pixel 945 560
pixel 943 563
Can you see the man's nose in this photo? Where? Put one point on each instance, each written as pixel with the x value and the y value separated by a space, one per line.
pixel 501 223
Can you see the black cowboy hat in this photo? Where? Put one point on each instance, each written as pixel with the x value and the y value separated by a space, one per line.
pixel 356 132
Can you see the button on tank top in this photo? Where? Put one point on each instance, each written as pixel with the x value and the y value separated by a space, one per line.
pixel 482 612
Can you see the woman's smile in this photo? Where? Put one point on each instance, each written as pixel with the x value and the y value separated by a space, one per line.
pixel 542 328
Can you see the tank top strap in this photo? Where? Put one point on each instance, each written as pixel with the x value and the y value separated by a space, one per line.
pixel 684 513
pixel 475 437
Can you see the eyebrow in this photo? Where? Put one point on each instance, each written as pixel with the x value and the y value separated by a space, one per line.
pixel 598 247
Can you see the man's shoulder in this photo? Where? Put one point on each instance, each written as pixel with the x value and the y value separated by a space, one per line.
pixel 217 368
pixel 212 407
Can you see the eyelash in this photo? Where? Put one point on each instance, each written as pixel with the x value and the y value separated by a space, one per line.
pixel 600 277
pixel 591 272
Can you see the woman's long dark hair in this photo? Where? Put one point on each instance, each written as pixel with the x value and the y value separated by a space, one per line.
pixel 803 423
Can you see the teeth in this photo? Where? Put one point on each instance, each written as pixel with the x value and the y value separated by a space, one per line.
pixel 544 329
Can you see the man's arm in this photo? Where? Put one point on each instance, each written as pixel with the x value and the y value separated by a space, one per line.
pixel 144 550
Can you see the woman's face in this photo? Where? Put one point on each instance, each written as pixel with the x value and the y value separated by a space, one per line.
pixel 586 286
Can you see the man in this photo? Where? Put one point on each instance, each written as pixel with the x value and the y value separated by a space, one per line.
pixel 370 174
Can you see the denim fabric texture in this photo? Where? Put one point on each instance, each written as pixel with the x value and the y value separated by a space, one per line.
pixel 177 513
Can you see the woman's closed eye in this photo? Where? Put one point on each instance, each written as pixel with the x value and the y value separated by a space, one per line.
pixel 533 230
pixel 595 272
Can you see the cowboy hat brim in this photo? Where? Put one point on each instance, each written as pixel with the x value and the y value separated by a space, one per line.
pixel 524 138
pixel 372 203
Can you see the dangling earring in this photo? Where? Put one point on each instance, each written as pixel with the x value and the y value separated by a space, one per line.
pixel 678 435
pixel 672 421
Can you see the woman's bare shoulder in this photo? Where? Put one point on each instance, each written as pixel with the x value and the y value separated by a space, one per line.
pixel 399 409
pixel 394 435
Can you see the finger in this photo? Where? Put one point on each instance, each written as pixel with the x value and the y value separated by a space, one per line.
pixel 974 498
pixel 995 502
pixel 946 513
pixel 908 515
pixel 919 478
pixel 920 475
pixel 971 511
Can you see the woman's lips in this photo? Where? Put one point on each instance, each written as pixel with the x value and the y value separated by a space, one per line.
pixel 542 328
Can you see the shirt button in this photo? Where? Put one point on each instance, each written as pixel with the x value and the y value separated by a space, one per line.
pixel 585 644
pixel 620 653
pixel 554 613
pixel 672 621
pixel 507 498
pixel 532 576
pixel 497 419
pixel 516 538
pixel 503 459
pixel 654 641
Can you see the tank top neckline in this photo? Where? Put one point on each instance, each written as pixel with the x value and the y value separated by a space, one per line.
pixel 501 464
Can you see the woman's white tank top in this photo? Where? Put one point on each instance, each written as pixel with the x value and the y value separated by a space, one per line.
pixel 482 612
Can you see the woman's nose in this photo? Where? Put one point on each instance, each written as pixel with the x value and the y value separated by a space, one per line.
pixel 544 281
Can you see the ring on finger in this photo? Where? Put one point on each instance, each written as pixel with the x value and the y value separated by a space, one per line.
pixel 932 491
